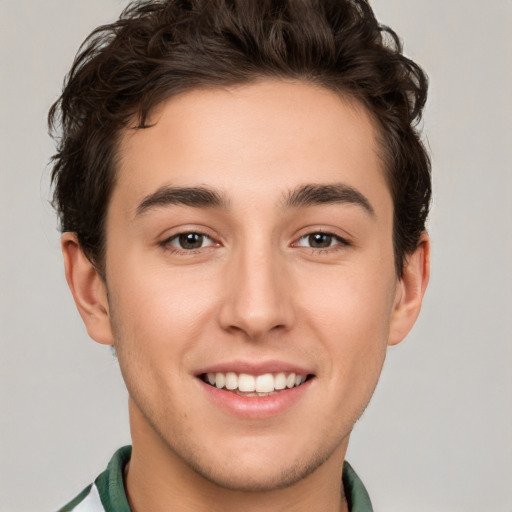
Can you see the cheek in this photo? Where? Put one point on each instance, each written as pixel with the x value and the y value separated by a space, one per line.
pixel 352 301
pixel 158 321
pixel 158 309
pixel 350 313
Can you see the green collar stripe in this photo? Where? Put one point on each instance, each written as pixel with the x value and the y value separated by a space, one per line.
pixel 355 492
pixel 110 483
pixel 87 501
pixel 73 503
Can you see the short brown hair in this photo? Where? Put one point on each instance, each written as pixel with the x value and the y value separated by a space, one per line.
pixel 157 49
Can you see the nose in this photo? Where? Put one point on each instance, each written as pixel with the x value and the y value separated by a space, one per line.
pixel 257 298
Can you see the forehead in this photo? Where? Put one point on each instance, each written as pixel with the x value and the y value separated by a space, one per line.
pixel 250 141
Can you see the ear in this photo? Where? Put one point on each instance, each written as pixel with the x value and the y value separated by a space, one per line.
pixel 410 291
pixel 88 289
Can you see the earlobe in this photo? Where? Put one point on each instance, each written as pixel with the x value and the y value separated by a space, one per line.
pixel 88 290
pixel 410 292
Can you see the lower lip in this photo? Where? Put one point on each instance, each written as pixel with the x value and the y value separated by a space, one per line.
pixel 255 407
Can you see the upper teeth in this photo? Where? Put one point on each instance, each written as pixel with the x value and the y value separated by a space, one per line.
pixel 246 383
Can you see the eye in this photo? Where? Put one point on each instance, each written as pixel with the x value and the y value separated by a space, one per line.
pixel 320 240
pixel 189 241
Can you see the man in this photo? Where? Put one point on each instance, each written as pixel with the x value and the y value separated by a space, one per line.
pixel 243 198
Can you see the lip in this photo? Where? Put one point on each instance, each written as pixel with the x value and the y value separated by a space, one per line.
pixel 255 368
pixel 256 407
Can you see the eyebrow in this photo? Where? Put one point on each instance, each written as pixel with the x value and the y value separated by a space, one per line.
pixel 314 194
pixel 206 197
pixel 198 197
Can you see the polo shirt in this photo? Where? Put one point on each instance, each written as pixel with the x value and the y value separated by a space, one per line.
pixel 107 493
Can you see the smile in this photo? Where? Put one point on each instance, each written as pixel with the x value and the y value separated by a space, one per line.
pixel 247 385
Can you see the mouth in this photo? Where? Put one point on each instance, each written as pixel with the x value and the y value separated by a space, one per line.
pixel 247 385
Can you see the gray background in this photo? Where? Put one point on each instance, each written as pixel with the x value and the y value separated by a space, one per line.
pixel 438 434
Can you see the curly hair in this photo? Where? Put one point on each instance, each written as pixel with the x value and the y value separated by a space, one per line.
pixel 157 49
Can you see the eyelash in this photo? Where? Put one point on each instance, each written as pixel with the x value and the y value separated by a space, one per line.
pixel 339 242
pixel 167 243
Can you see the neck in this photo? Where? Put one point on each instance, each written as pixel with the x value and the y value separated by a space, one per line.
pixel 157 480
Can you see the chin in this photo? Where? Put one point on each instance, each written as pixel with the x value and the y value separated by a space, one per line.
pixel 257 477
pixel 256 465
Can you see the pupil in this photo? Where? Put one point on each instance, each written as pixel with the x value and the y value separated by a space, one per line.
pixel 191 241
pixel 320 240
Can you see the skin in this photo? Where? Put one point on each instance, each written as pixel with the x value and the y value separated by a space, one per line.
pixel 256 290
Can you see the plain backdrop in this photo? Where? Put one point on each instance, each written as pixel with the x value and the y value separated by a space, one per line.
pixel 438 433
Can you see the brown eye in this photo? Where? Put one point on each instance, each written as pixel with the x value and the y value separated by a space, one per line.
pixel 190 240
pixel 320 240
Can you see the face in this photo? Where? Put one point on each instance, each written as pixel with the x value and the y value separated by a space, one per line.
pixel 249 246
